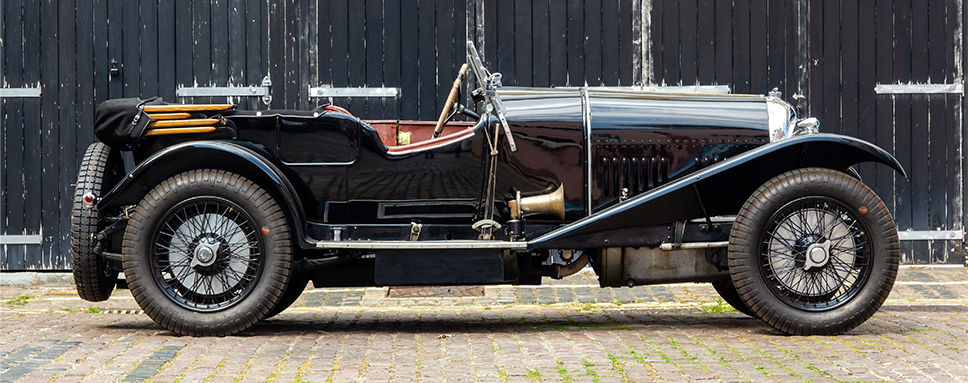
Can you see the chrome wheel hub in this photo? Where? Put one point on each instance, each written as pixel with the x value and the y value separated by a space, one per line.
pixel 818 255
pixel 205 253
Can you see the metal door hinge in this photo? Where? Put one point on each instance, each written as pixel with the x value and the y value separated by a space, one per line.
pixel 264 91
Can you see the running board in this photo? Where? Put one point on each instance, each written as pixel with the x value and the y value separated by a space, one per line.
pixel 421 245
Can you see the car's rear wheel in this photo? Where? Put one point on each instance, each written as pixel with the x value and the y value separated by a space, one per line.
pixel 729 294
pixel 207 252
pixel 297 284
pixel 94 277
pixel 814 251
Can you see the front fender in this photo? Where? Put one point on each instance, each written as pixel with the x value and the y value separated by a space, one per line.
pixel 720 189
pixel 221 155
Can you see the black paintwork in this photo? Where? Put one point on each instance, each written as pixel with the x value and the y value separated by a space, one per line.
pixel 680 157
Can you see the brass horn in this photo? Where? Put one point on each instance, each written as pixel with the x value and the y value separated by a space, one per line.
pixel 552 203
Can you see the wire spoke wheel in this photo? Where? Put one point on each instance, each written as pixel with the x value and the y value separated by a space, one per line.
pixel 815 253
pixel 207 254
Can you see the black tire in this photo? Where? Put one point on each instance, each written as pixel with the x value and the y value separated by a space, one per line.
pixel 94 277
pixel 815 211
pixel 297 284
pixel 729 294
pixel 247 248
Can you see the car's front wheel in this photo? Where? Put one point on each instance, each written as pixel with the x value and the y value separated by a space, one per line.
pixel 813 251
pixel 207 252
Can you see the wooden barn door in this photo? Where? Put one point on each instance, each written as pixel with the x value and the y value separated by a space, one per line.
pixel 890 73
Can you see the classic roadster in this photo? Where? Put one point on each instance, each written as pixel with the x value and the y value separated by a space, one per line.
pixel 228 214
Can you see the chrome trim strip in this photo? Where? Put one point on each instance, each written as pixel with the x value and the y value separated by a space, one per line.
pixel 918 88
pixel 420 245
pixel 926 235
pixel 685 89
pixel 586 118
pixel 19 92
pixel 692 245
pixel 326 91
pixel 35 239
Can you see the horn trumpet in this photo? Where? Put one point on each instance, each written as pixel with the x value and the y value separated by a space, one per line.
pixel 551 203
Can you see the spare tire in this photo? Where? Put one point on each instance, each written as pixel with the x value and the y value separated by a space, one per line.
pixel 94 277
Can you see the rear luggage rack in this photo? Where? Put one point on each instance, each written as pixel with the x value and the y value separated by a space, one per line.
pixel 177 119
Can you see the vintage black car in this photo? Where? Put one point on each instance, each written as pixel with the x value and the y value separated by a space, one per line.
pixel 228 214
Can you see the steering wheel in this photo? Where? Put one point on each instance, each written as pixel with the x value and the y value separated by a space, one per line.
pixel 445 113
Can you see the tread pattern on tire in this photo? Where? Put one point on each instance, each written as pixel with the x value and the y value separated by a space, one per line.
pixel 762 303
pixel 234 319
pixel 90 279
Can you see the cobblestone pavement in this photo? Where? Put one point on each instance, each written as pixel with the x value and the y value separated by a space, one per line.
pixel 567 330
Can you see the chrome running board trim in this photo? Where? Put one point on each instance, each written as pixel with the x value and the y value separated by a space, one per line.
pixel 421 245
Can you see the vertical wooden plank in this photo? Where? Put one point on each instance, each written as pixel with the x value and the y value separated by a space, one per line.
pixel 522 43
pixel 149 48
pixel 251 47
pixel 67 128
pixel 374 55
pixel 84 103
pixel 866 99
pixel 461 19
pixel 671 45
pixel 131 50
pixel 815 94
pixel 655 38
pixel 776 48
pixel 292 60
pixel 50 126
pixel 902 122
pixel 627 49
pixel 920 180
pixel 445 52
pixel 830 65
pixel 202 47
pixel 115 44
pixel 848 68
pixel 392 48
pixel 504 61
pixel 884 70
pixel 220 44
pixel 540 45
pixel 410 87
pixel 32 128
pixel 689 46
pixel 557 45
pixel 488 47
pixel 166 50
pixel 236 49
pixel 357 56
pixel 758 48
pixel 611 42
pixel 938 35
pixel 427 75
pixel 956 121
pixel 101 58
pixel 12 167
pixel 307 52
pixel 576 43
pixel 184 37
pixel 277 51
pixel 706 39
pixel 724 43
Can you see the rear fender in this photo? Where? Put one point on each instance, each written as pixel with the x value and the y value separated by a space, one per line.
pixel 243 160
pixel 714 191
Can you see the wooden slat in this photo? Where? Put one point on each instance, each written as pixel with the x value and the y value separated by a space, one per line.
pixel 220 43
pixel 67 138
pixel 867 99
pixel 183 44
pixel 202 47
pixel 523 67
pixel 706 37
pixel 611 45
pixel 541 75
pixel 576 43
pixel 558 45
pixel 356 38
pixel 169 116
pixel 391 62
pixel 340 56
pixel 409 86
pixel 902 122
pixel 759 50
pixel 181 123
pixel 149 48
pixel 252 48
pixel 884 70
pixel 33 129
pixel 166 50
pixel 49 126
pixel 627 47
pixel 830 66
pixel 427 55
pixel 187 108
pixel 184 130
pixel 374 48
pixel 671 44
pixel 12 120
pixel 688 45
pixel 724 42
pixel 741 47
